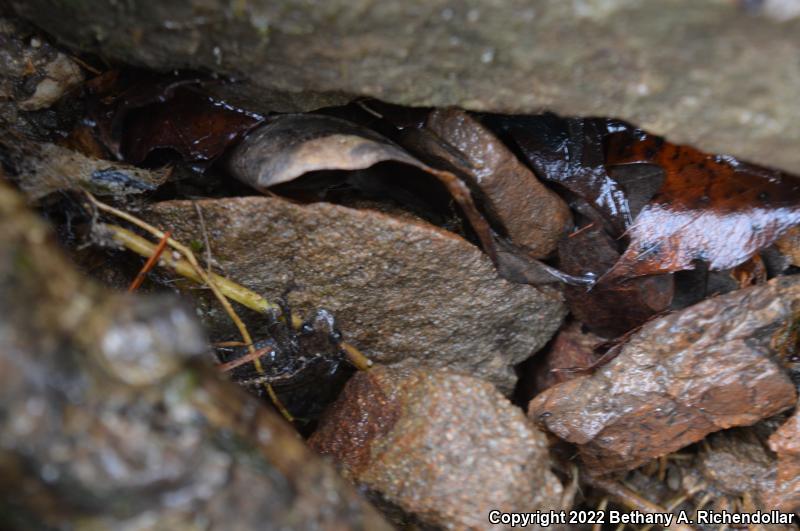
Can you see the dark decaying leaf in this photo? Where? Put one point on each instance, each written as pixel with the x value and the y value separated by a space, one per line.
pixel 532 216
pixel 570 153
pixel 609 308
pixel 710 208
pixel 196 126
pixel 137 113
pixel 680 377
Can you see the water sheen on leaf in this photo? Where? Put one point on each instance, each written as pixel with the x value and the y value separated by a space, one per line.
pixel 710 208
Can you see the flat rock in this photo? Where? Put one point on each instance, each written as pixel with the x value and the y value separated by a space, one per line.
pixel 718 75
pixel 406 293
pixel 445 448
pixel 709 367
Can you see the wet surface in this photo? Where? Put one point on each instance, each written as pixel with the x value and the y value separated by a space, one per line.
pixel 443 447
pixel 680 377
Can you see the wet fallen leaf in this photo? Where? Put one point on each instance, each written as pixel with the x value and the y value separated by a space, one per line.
pixel 573 348
pixel 292 145
pixel 138 113
pixel 679 378
pixel 531 215
pixel 710 208
pixel 445 448
pixel 570 152
pixel 196 126
pixel 609 308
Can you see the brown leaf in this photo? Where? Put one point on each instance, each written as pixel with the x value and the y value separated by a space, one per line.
pixel 196 126
pixel 532 216
pixel 710 208
pixel 292 145
pixel 609 308
pixel 570 153
pixel 679 378
pixel 571 349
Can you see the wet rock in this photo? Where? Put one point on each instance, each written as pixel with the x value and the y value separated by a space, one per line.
pixel 406 293
pixel 35 76
pixel 709 367
pixel 695 74
pixel 443 447
pixel 111 421
pixel 534 217
pixel 786 443
pixel 43 168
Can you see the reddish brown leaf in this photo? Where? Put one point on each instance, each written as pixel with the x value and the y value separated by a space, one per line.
pixel 609 308
pixel 711 208
pixel 196 126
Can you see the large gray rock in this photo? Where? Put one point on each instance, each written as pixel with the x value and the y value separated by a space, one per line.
pixel 407 293
pixel 706 73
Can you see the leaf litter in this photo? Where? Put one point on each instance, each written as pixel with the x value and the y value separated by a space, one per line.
pixel 601 212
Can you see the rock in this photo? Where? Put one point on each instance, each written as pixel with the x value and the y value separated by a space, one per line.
pixel 786 443
pixel 406 293
pixel 35 75
pixel 709 367
pixel 694 73
pixel 445 448
pixel 110 420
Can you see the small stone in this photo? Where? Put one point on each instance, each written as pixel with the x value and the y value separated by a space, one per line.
pixel 445 448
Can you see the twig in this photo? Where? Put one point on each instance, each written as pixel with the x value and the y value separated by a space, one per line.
pixel 149 264
pixel 601 507
pixel 238 362
pixel 237 292
pixel 204 232
pixel 631 499
pixel 206 279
